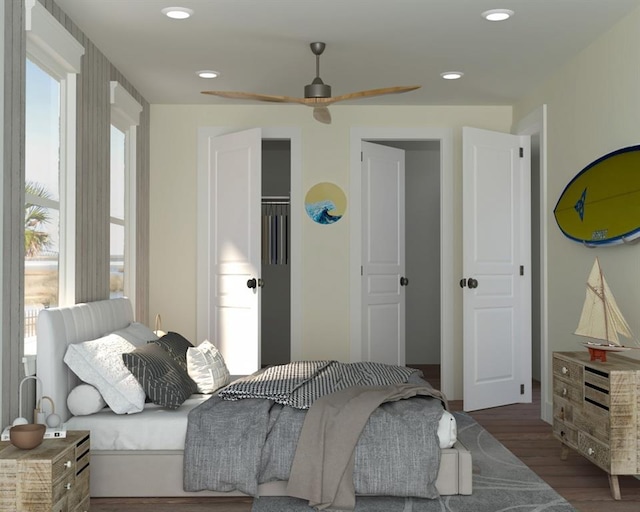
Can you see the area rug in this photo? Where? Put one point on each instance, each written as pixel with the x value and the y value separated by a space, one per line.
pixel 501 482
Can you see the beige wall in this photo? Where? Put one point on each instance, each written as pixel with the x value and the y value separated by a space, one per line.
pixel 325 252
pixel 593 109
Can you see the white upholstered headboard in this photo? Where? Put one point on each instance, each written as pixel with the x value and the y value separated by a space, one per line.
pixel 59 327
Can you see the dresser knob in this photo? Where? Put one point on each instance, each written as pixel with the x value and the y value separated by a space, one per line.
pixel 591 451
pixel 564 391
pixel 67 464
pixel 68 486
pixel 565 370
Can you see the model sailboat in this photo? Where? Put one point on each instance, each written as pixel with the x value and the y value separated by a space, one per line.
pixel 601 319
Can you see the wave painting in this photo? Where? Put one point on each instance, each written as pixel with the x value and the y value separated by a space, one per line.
pixel 320 212
pixel 325 203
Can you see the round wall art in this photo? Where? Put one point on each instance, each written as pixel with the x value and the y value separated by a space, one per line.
pixel 325 203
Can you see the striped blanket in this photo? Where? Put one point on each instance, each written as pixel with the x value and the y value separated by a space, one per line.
pixel 300 383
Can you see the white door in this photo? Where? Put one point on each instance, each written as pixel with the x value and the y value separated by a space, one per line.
pixel 383 263
pixel 235 186
pixel 497 269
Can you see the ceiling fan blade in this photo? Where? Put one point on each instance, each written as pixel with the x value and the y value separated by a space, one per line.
pixel 372 92
pixel 256 97
pixel 322 114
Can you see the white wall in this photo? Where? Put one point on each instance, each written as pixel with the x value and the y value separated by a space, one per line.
pixel 325 252
pixel 2 29
pixel 593 109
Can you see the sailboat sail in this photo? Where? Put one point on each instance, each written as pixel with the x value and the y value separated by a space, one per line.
pixel 601 318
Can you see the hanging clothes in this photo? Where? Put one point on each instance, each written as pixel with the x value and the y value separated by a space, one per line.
pixel 275 230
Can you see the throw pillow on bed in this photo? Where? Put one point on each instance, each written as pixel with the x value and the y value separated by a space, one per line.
pixel 162 378
pixel 137 333
pixel 99 363
pixel 176 345
pixel 84 399
pixel 206 367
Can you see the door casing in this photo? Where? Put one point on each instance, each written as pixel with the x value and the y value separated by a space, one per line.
pixel 445 137
pixel 203 292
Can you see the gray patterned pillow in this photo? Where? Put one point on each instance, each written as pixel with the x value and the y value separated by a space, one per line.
pixel 164 381
pixel 176 345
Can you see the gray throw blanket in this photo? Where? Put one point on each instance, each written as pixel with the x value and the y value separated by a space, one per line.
pixel 323 466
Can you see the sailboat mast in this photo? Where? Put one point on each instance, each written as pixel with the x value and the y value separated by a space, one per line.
pixel 604 302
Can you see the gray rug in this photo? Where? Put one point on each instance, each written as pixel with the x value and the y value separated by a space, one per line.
pixel 501 482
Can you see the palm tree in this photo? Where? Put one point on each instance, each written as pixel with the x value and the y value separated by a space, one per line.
pixel 35 218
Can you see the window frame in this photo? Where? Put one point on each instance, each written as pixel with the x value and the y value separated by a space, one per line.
pixel 56 51
pixel 125 116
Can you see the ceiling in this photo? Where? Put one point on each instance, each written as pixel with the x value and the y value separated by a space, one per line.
pixel 262 46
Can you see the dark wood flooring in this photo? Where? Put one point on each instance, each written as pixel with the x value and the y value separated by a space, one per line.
pixel 518 427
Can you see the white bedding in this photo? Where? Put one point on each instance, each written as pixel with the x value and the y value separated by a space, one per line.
pixel 157 428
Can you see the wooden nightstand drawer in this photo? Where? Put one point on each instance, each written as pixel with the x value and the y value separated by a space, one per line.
pixel 84 506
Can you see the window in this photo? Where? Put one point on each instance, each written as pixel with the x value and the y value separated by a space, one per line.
pixel 125 117
pixel 53 60
pixel 117 225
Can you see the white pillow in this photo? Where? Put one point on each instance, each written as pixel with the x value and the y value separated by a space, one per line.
pixel 205 365
pixel 84 399
pixel 99 363
pixel 137 333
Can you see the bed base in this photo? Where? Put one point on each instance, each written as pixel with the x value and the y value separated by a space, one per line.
pixel 159 474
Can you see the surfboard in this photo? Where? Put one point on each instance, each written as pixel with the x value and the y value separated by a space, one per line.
pixel 601 204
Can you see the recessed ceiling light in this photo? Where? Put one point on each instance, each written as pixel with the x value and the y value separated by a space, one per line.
pixel 497 14
pixel 177 13
pixel 451 75
pixel 208 73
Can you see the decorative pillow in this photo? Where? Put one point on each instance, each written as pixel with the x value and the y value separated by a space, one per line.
pixel 137 333
pixel 84 399
pixel 206 367
pixel 176 345
pixel 99 363
pixel 162 378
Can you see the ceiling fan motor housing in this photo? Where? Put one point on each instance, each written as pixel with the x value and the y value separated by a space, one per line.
pixel 317 89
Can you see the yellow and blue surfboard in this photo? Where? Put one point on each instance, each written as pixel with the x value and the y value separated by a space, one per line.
pixel 601 205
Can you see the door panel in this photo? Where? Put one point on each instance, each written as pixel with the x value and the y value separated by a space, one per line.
pixel 496 244
pixel 235 170
pixel 383 220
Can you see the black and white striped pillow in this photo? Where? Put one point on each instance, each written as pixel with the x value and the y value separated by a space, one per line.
pixel 163 379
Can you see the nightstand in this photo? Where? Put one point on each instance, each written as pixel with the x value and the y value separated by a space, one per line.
pixel 52 477
pixel 595 411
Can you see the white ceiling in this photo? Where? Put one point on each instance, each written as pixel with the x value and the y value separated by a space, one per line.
pixel 263 45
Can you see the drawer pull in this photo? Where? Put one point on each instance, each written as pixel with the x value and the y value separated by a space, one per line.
pixel 564 391
pixel 68 486
pixel 562 434
pixel 67 464
pixel 565 370
pixel 591 451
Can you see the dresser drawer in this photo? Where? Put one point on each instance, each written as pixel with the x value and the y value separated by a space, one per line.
pixel 82 507
pixel 566 433
pixel 568 390
pixel 64 464
pixel 567 370
pixel 563 410
pixel 594 450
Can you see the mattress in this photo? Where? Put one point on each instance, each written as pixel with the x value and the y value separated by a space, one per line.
pixel 157 428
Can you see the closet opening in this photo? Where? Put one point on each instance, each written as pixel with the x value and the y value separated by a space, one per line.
pixel 275 345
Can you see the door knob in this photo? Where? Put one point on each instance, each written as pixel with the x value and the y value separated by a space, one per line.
pixel 471 282
pixel 404 281
pixel 252 283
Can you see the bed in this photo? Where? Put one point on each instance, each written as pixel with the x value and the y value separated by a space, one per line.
pixel 142 454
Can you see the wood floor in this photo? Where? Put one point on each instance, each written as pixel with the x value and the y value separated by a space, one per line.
pixel 518 427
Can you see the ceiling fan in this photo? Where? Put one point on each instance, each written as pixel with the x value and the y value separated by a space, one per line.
pixel 317 94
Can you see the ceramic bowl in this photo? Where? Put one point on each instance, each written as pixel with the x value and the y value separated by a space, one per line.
pixel 27 436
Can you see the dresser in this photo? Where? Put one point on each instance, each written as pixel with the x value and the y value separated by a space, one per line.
pixel 595 411
pixel 53 477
